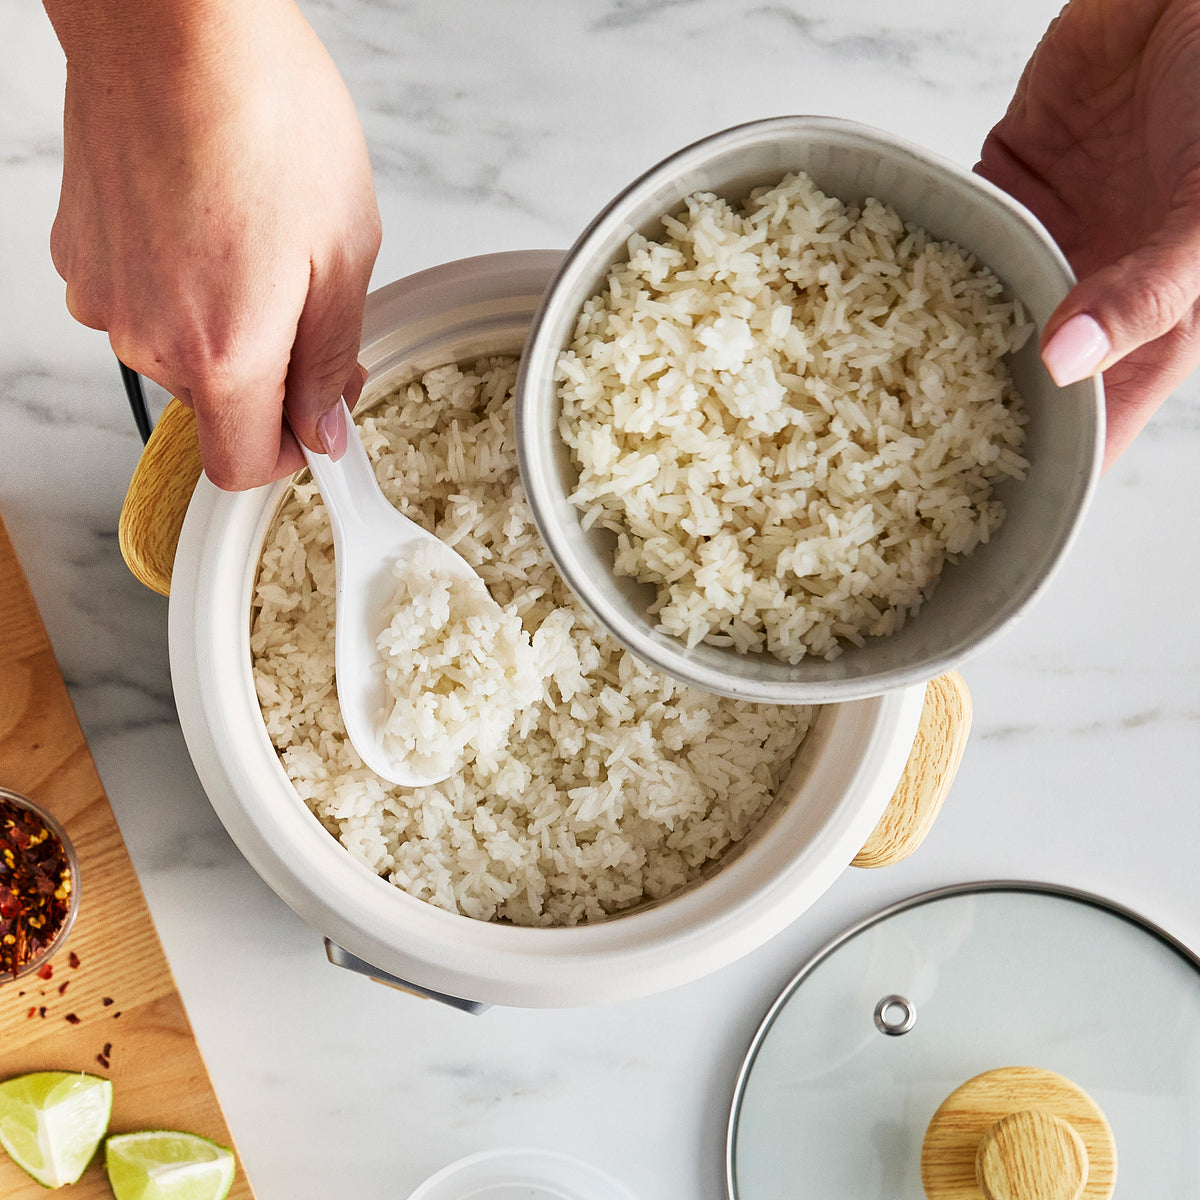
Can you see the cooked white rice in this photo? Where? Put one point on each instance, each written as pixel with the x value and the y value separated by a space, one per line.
pixel 457 668
pixel 792 415
pixel 617 784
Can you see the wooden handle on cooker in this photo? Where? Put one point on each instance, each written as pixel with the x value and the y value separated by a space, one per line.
pixel 158 497
pixel 152 517
pixel 932 763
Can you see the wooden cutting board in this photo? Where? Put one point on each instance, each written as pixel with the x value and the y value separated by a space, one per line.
pixel 119 1004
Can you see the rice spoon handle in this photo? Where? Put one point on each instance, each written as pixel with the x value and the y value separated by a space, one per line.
pixel 369 537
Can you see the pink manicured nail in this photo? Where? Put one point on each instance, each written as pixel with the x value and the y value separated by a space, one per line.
pixel 331 429
pixel 1076 350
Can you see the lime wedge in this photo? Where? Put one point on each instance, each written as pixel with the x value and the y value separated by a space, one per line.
pixel 52 1121
pixel 165 1164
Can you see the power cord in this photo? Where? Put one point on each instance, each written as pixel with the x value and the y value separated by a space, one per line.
pixel 136 392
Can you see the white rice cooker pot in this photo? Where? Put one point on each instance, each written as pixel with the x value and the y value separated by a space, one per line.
pixel 846 772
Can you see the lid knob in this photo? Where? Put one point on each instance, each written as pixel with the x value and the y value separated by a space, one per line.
pixel 1018 1133
pixel 1031 1155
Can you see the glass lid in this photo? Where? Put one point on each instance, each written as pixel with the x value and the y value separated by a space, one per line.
pixel 867 1044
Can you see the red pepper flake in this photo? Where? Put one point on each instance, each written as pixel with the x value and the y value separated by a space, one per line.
pixel 42 1011
pixel 73 961
pixel 72 1019
pixel 107 1001
pixel 102 1059
pixel 32 1012
pixel 35 888
pixel 46 970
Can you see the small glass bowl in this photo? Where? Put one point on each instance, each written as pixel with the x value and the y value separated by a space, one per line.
pixel 39 960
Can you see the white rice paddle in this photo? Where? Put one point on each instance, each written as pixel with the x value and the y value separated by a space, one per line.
pixel 369 538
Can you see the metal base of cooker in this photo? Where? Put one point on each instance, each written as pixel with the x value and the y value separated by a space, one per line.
pixel 341 957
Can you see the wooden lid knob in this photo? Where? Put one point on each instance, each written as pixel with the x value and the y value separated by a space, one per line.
pixel 1019 1133
pixel 1031 1155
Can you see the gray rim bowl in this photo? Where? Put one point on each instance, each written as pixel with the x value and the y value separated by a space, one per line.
pixel 977 598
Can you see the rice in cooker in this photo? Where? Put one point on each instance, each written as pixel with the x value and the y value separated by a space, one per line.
pixel 616 784
pixel 792 414
pixel 456 668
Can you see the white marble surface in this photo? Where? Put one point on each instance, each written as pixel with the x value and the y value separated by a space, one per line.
pixel 495 125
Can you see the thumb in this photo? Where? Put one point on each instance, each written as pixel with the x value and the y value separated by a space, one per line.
pixel 324 367
pixel 1135 300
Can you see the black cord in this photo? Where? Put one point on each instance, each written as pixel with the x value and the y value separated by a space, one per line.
pixel 137 401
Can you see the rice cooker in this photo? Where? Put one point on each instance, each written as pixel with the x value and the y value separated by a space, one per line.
pixel 845 775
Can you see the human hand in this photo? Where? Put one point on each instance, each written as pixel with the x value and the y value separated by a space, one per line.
pixel 1102 143
pixel 218 217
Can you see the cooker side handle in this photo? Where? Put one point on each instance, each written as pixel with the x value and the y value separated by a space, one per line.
pixel 932 763
pixel 158 497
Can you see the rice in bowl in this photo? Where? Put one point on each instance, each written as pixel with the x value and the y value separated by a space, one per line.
pixel 791 415
pixel 618 785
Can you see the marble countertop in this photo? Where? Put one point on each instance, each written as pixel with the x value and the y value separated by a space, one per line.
pixel 503 125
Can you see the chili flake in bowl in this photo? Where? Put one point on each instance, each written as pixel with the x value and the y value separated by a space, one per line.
pixel 39 886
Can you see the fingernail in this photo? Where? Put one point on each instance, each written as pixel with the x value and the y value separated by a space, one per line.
pixel 1076 350
pixel 331 429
